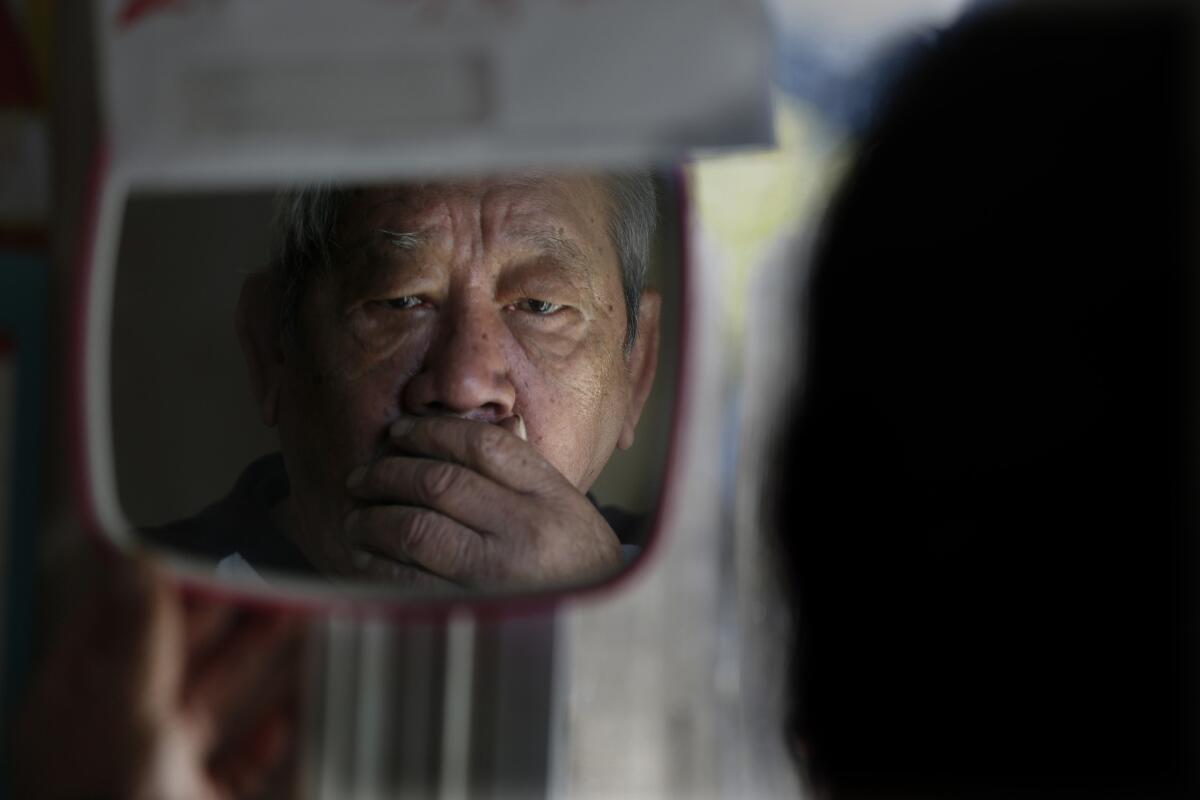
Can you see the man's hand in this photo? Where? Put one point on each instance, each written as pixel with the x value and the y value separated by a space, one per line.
pixel 144 695
pixel 473 504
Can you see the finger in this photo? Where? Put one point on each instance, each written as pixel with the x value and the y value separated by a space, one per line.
pixel 163 660
pixel 111 676
pixel 277 692
pixel 456 491
pixel 207 622
pixel 489 449
pixel 397 571
pixel 432 541
pixel 126 616
pixel 242 747
pixel 250 760
pixel 228 681
pixel 248 772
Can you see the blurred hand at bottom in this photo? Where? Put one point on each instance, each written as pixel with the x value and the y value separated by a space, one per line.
pixel 144 694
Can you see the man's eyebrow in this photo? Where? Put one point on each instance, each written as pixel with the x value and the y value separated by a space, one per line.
pixel 405 241
pixel 555 244
pixel 402 240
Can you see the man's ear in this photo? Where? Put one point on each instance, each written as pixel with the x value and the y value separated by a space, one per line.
pixel 258 334
pixel 643 361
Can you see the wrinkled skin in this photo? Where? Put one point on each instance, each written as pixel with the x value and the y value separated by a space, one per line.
pixel 456 310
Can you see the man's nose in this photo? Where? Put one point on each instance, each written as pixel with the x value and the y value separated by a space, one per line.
pixel 466 370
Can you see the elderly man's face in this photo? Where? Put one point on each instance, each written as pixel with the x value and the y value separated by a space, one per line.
pixel 485 300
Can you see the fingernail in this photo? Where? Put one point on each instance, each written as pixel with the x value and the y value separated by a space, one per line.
pixel 402 426
pixel 357 475
pixel 514 425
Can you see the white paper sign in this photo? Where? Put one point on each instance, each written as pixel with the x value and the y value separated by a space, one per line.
pixel 255 91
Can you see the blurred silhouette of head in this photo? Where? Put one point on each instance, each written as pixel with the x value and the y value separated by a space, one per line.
pixel 984 503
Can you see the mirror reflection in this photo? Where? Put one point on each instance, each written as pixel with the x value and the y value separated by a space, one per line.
pixel 430 386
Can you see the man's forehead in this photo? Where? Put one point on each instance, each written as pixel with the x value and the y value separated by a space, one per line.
pixel 521 204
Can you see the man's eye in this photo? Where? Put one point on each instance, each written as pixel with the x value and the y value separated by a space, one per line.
pixel 402 303
pixel 540 307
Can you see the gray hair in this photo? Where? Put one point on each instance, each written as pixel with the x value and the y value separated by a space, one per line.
pixel 305 240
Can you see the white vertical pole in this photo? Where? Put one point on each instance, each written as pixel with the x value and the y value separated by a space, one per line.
pixel 456 722
pixel 337 734
pixel 375 683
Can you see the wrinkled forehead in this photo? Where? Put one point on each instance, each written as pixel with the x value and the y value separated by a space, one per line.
pixel 574 206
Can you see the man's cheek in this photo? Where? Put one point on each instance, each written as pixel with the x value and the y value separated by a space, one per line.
pixel 577 373
pixel 551 347
pixel 362 386
pixel 366 404
pixel 342 413
pixel 391 349
pixel 578 361
pixel 564 420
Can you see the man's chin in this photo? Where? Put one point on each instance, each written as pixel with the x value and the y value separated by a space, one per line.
pixel 374 567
